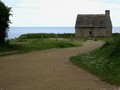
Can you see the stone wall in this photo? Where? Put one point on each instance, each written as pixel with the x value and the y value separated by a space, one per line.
pixel 109 25
pixel 84 32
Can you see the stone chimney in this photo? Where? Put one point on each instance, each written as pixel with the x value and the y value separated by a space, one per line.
pixel 107 12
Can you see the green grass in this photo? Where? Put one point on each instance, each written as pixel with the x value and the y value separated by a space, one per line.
pixel 7 48
pixel 103 62
pixel 46 44
pixel 35 44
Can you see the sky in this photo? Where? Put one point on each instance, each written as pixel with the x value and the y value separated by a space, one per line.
pixel 59 13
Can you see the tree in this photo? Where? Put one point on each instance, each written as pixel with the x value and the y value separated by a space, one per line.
pixel 4 21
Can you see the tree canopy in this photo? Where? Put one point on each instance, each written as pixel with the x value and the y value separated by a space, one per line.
pixel 4 21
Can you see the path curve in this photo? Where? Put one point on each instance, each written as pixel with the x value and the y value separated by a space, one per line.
pixel 49 70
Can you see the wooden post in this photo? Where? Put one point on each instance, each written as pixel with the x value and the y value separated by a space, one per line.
pixel 22 39
pixel 56 37
pixel 41 38
pixel 25 39
pixel 71 38
pixel 85 38
pixel 95 38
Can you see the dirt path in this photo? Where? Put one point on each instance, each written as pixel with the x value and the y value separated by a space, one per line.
pixel 49 70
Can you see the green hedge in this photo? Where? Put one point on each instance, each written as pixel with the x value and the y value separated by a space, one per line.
pixel 47 35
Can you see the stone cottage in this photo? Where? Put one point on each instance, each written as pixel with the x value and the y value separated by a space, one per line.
pixel 93 25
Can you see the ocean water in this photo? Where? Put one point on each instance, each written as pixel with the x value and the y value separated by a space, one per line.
pixel 17 31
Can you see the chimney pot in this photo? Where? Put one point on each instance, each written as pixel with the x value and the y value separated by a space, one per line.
pixel 107 12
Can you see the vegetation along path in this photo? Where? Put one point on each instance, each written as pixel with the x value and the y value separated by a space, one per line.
pixel 49 70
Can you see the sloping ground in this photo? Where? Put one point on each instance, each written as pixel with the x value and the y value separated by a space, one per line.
pixel 49 70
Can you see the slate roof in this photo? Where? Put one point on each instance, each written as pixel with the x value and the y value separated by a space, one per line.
pixel 98 20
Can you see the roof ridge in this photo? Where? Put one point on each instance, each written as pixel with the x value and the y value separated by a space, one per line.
pixel 92 14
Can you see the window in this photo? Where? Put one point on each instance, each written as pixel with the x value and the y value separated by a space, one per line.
pixel 90 32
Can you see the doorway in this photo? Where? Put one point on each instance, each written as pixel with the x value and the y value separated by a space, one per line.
pixel 90 33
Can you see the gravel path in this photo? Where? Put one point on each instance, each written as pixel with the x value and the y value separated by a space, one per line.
pixel 49 70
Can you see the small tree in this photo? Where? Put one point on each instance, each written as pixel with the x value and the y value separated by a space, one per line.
pixel 4 21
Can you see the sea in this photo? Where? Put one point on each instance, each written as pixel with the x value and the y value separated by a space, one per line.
pixel 15 32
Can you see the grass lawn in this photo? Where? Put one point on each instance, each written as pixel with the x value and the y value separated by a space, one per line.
pixel 103 62
pixel 36 44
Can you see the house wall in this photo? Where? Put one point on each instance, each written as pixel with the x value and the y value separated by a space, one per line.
pixel 83 32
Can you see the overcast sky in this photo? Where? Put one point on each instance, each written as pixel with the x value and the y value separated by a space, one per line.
pixel 53 13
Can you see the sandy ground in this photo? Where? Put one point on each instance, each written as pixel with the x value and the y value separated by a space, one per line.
pixel 49 70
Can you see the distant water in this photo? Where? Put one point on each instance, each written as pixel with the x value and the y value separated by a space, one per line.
pixel 17 31
pixel 116 29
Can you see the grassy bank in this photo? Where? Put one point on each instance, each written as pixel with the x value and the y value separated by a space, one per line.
pixel 27 45
pixel 103 62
